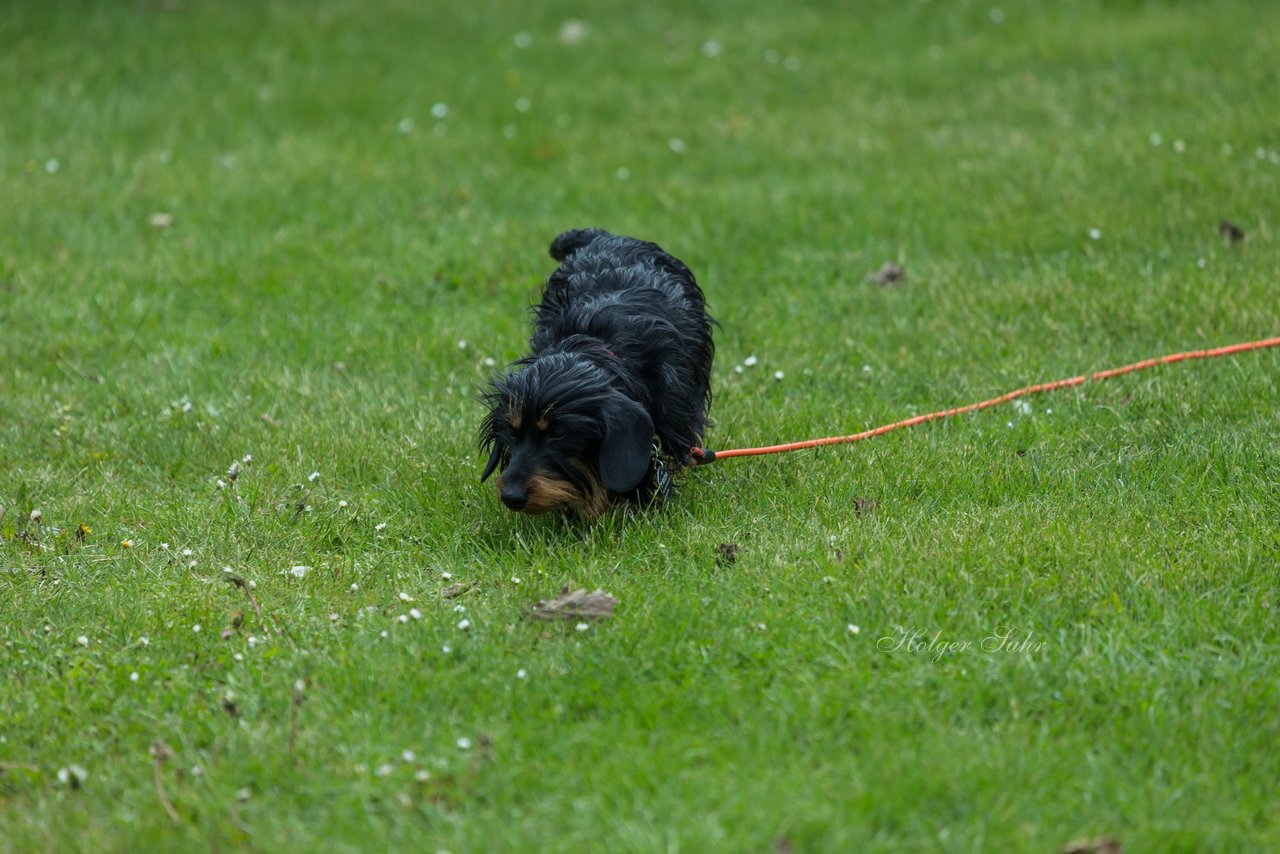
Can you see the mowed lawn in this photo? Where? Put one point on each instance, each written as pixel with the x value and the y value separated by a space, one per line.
pixel 300 237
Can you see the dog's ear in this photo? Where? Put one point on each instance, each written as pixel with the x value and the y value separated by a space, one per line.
pixel 627 448
pixel 494 458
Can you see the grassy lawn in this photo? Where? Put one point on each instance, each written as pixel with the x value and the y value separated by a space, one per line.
pixel 301 235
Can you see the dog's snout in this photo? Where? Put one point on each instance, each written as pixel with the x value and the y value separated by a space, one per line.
pixel 514 495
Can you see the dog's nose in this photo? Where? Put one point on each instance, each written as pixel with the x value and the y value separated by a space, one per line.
pixel 514 495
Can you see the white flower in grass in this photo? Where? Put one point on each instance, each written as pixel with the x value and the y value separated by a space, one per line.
pixel 777 375
pixel 144 640
pixel 196 628
pixel 464 743
pixel 854 630
pixel 299 571
pixel 582 627
pixel 405 125
pixel 573 31
pixel 415 613
pixel 408 756
pixel 164 547
pixel 422 775
pixel 623 174
pixel 246 459
pixel 313 477
pixel 191 564
pixel 711 49
pixel 221 484
pixel 186 552
pixel 1021 407
pixel 333 618
pixel 82 640
pixel 384 634
pixel 459 609
pixel 677 145
pixel 1155 138
pixel 440 110
pixel 381 526
pixel 253 641
pixel 384 769
pixel 342 505
pixel 462 344
pixel 73 776
pixel 1095 234
pixel 446 575
pixel 523 105
pixel 133 677
pixel 521 674
pixel 52 165
pixel 515 579
pixel 750 361
pixel 1179 146
pixel 522 40
pixel 405 597
pixel 464 624
pixel 446 649
pixel 404 618
pixel 354 587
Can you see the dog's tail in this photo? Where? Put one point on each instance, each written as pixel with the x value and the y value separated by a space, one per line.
pixel 571 241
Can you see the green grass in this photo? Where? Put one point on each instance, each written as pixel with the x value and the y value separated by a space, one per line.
pixel 309 298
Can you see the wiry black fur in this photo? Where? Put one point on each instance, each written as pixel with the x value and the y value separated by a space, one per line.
pixel 621 335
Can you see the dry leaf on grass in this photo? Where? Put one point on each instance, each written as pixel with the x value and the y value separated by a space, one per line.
pixel 1232 232
pixel 1093 845
pixel 453 591
pixel 575 605
pixel 889 274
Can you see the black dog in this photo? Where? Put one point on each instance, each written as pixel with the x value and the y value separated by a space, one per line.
pixel 621 351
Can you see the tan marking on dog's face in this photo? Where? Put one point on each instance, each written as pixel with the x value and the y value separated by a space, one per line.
pixel 544 420
pixel 513 415
pixel 596 499
pixel 547 494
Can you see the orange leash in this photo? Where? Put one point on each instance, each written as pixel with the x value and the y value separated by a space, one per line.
pixel 703 456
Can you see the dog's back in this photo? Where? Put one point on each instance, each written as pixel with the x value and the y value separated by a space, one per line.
pixel 646 306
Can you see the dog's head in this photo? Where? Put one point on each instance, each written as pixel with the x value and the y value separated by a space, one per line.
pixel 564 437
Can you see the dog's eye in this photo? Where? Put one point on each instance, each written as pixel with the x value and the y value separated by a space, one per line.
pixel 556 431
